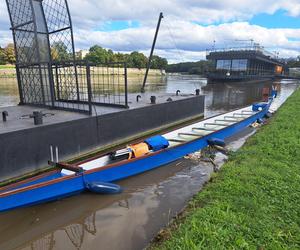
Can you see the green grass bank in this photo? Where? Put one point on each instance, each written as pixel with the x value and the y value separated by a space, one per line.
pixel 7 66
pixel 254 201
pixel 7 71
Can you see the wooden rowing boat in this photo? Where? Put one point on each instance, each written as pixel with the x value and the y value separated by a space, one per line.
pixel 98 174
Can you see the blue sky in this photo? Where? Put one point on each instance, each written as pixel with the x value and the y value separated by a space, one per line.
pixel 280 19
pixel 117 25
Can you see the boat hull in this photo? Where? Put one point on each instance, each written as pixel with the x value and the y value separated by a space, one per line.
pixel 169 155
pixel 76 183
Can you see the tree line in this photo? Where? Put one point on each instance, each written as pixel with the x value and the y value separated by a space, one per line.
pixel 99 55
pixel 197 68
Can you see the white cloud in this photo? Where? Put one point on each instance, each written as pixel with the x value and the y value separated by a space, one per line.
pixel 204 11
pixel 186 36
pixel 191 39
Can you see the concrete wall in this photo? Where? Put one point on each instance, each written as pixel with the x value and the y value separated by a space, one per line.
pixel 28 150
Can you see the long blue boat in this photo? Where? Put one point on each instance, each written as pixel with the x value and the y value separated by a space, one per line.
pixel 99 173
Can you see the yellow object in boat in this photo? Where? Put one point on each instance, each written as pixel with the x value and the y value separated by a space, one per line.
pixel 139 150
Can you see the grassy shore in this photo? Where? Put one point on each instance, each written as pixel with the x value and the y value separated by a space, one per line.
pixel 9 71
pixel 254 201
pixel 130 71
pixel 7 66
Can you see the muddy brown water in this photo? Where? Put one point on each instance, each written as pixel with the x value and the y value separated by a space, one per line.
pixel 125 221
pixel 149 201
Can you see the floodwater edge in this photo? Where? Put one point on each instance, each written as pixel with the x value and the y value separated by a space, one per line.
pixel 252 201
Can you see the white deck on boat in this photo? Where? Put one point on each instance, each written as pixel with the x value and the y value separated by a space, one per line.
pixel 186 134
pixel 208 126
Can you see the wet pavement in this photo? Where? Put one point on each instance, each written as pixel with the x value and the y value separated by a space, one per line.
pixel 130 220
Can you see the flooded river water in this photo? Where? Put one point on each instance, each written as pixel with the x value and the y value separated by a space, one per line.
pixel 149 201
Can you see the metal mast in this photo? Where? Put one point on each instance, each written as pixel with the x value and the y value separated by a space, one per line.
pixel 161 16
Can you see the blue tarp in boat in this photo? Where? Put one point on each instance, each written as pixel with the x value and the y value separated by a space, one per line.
pixel 157 143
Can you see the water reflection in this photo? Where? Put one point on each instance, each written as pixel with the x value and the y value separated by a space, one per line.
pixel 74 234
pixel 124 221
pixel 71 220
pixel 224 97
pixel 46 243
pixel 8 91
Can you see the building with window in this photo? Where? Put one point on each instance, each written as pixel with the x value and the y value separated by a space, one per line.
pixel 242 64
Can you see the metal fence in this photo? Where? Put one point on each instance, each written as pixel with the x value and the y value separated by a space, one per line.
pixel 34 84
pixel 79 85
pixel 109 84
pixel 74 85
pixel 48 74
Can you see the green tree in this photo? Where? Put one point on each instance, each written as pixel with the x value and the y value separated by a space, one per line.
pixel 2 56
pixel 59 52
pixel 99 55
pixel 159 63
pixel 9 54
pixel 137 60
pixel 199 68
pixel 110 56
pixel 119 57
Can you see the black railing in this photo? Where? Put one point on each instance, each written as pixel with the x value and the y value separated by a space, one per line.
pixel 83 82
pixel 74 85
pixel 71 86
pixel 109 84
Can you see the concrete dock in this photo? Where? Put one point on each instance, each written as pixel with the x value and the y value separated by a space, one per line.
pixel 25 147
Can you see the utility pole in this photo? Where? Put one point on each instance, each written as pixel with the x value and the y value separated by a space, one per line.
pixel 161 16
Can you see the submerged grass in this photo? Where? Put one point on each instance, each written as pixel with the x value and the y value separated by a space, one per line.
pixel 254 202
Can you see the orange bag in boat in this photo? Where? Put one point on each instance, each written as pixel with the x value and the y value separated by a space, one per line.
pixel 140 149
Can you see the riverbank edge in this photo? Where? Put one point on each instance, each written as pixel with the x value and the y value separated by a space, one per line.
pixel 9 71
pixel 253 202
